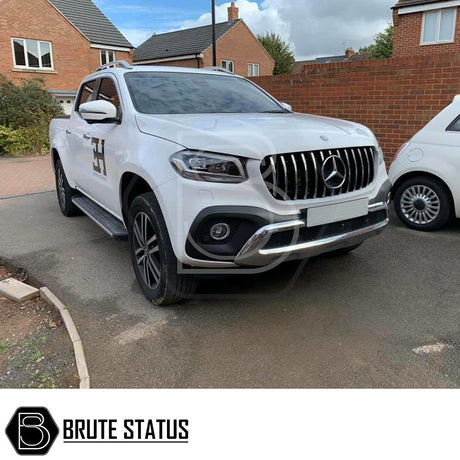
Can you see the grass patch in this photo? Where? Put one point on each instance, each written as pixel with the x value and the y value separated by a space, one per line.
pixel 5 346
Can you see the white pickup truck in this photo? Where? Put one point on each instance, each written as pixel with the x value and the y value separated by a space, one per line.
pixel 205 172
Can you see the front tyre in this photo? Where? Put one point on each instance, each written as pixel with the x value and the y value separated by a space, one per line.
pixel 65 193
pixel 152 255
pixel 423 203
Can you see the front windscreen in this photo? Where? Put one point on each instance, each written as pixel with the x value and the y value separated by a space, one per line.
pixel 189 93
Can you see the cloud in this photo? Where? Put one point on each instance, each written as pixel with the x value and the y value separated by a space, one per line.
pixel 259 18
pixel 137 36
pixel 313 27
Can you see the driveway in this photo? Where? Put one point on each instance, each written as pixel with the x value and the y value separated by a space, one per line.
pixel 385 316
pixel 21 176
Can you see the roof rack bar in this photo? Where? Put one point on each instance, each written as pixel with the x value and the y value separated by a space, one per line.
pixel 219 69
pixel 123 64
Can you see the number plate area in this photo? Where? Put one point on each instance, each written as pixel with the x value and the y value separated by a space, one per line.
pixel 323 215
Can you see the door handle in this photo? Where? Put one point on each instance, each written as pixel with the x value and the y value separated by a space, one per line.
pixel 67 131
pixel 86 136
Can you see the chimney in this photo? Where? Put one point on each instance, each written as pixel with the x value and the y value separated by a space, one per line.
pixel 349 52
pixel 233 12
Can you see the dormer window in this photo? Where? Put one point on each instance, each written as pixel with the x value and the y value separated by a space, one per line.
pixel 439 26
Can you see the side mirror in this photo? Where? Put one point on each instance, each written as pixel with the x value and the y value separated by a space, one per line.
pixel 98 112
pixel 287 106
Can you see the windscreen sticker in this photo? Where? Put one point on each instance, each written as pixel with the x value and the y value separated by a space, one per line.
pixel 99 156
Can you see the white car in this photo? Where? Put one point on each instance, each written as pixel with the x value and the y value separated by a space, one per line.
pixel 205 172
pixel 426 173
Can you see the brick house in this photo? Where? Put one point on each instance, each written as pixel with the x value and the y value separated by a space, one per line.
pixel 60 41
pixel 238 49
pixel 426 27
pixel 349 56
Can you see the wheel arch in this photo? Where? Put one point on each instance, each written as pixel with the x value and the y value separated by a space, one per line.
pixel 54 157
pixel 131 186
pixel 412 174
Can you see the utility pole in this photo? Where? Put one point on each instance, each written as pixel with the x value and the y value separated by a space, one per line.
pixel 214 50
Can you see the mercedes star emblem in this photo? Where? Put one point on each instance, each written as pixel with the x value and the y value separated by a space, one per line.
pixel 334 172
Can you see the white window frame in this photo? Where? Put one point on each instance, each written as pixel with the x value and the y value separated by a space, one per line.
pixel 438 27
pixel 24 40
pixel 251 68
pixel 227 62
pixel 106 52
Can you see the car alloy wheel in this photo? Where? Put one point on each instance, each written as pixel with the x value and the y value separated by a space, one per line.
pixel 147 250
pixel 420 204
pixel 61 187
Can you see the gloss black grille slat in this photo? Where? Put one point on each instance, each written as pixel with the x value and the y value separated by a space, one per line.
pixel 299 176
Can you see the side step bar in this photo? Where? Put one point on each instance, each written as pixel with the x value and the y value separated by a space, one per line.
pixel 110 224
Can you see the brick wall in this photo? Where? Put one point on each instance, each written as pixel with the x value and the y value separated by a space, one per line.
pixel 242 47
pixel 193 63
pixel 394 97
pixel 37 19
pixel 408 35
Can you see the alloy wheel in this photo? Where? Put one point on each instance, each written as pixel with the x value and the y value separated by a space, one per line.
pixel 420 204
pixel 147 250
pixel 61 187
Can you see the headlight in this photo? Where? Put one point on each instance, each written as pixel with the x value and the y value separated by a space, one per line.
pixel 380 154
pixel 209 167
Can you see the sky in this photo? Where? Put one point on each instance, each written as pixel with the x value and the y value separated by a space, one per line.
pixel 314 28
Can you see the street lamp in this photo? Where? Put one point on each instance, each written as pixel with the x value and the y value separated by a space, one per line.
pixel 214 50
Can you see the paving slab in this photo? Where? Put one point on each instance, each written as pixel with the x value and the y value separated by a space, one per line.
pixel 22 176
pixel 17 291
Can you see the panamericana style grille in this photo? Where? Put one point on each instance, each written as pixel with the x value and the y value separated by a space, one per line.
pixel 303 176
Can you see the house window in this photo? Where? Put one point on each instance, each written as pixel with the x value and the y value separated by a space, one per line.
pixel 32 54
pixel 253 70
pixel 107 56
pixel 229 65
pixel 439 26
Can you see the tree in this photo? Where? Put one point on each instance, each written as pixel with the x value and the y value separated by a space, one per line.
pixel 382 47
pixel 280 51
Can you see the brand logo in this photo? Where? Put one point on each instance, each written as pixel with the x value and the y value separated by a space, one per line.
pixel 32 431
pixel 324 138
pixel 334 172
pixel 99 156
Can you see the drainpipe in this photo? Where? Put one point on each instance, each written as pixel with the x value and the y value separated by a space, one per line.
pixel 214 51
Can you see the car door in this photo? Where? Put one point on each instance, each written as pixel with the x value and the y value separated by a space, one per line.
pixel 78 137
pixel 105 143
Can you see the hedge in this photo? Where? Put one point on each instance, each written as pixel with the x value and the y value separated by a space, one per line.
pixel 25 113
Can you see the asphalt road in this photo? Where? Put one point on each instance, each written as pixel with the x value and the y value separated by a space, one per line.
pixel 343 322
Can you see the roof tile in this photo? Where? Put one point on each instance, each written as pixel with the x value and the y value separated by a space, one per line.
pixel 403 3
pixel 181 42
pixel 91 22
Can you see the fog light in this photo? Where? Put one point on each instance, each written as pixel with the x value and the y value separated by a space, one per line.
pixel 220 232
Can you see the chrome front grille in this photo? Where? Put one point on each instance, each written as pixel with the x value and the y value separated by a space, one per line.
pixel 303 176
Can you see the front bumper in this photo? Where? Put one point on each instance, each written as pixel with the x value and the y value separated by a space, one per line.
pixel 256 254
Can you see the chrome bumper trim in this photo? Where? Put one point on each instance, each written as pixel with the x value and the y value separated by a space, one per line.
pixel 253 253
pixel 378 207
